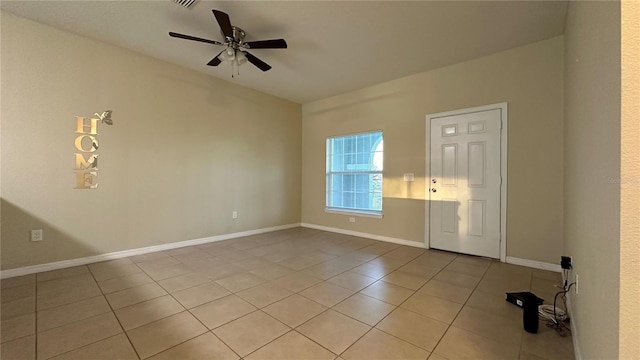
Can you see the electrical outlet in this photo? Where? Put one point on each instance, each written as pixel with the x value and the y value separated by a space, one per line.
pixel 352 219
pixel 36 235
pixel 234 214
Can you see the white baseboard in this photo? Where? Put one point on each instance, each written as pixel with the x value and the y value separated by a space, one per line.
pixel 511 260
pixel 574 334
pixel 366 235
pixel 139 251
pixel 534 264
pixel 132 252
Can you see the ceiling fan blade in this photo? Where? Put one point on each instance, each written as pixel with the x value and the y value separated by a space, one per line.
pixel 216 60
pixel 257 62
pixel 267 44
pixel 189 37
pixel 224 22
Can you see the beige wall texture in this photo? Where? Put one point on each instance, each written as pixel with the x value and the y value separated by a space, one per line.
pixel 592 173
pixel 528 78
pixel 630 189
pixel 185 150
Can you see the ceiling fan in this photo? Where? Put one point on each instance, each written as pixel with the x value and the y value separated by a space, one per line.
pixel 235 50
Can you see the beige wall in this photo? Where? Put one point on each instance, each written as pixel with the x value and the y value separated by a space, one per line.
pixel 185 151
pixel 529 78
pixel 592 173
pixel 630 189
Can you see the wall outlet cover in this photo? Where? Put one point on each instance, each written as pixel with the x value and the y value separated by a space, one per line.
pixel 36 235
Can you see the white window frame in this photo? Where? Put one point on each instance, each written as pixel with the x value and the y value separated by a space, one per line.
pixel 350 211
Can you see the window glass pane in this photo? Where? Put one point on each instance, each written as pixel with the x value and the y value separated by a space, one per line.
pixel 362 182
pixel 336 182
pixel 363 158
pixel 376 201
pixel 336 199
pixel 348 145
pixel 347 199
pixel 378 156
pixel 362 200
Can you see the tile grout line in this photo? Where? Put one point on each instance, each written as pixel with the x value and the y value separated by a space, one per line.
pixel 113 311
pixel 350 296
pixel 292 294
pixel 205 326
pixel 101 292
pixel 315 316
pixel 311 318
pixel 176 300
pixel 35 305
pixel 301 250
pixel 77 321
pixel 231 293
pixel 405 300
pixel 185 309
pixel 464 304
pixel 91 343
pixel 194 316
pixel 104 294
pixel 290 330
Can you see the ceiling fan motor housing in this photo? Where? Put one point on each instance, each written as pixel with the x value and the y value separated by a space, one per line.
pixel 238 35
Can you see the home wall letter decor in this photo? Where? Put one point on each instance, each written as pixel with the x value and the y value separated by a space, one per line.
pixel 86 145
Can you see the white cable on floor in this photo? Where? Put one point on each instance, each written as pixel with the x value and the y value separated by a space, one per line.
pixel 546 312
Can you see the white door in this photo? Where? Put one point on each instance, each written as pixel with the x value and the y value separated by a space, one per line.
pixel 465 182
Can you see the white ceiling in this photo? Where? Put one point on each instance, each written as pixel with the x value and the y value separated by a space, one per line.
pixel 334 46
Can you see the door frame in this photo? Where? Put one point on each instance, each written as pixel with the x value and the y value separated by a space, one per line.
pixel 503 170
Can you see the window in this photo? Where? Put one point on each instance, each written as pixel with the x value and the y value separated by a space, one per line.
pixel 354 173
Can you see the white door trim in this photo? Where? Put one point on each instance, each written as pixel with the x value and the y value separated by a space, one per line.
pixel 503 170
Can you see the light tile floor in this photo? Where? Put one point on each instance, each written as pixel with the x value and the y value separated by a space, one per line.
pixel 292 294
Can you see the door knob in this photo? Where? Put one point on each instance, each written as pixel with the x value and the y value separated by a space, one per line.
pixel 433 190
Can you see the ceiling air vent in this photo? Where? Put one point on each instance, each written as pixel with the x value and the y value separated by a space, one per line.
pixel 185 3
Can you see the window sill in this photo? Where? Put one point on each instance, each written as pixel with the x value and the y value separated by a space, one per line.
pixel 371 214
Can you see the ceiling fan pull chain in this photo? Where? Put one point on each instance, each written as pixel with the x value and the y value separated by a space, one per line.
pixel 235 60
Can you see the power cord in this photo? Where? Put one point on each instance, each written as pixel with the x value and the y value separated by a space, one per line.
pixel 557 317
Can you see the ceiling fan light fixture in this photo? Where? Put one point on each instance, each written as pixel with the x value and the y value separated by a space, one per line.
pixel 240 57
pixel 228 54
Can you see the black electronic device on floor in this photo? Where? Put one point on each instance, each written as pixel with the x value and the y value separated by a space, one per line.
pixel 529 302
pixel 518 298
